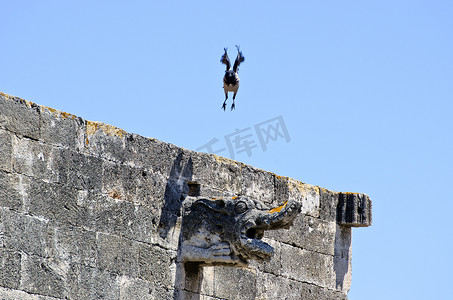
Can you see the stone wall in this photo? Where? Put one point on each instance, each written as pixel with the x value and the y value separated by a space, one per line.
pixel 89 211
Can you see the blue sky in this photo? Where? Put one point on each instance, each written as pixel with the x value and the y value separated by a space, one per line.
pixel 365 89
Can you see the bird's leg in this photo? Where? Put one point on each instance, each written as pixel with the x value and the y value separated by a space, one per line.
pixel 234 97
pixel 224 102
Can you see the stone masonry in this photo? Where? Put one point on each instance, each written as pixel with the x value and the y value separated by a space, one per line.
pixel 89 211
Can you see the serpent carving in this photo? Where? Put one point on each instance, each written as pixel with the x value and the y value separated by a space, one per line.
pixel 229 230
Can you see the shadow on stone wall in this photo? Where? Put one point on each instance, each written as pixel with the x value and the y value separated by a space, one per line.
pixel 176 191
pixel 189 276
pixel 342 257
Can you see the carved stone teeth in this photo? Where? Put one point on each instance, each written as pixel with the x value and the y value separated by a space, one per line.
pixel 278 217
pixel 247 226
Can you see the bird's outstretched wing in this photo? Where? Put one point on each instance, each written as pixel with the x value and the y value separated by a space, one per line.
pixel 225 60
pixel 238 60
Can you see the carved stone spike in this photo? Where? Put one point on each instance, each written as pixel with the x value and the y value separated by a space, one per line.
pixel 354 210
pixel 228 231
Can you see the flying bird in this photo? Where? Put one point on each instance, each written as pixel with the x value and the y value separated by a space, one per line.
pixel 231 78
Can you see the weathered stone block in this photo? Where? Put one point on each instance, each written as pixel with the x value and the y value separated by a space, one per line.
pixel 9 267
pixel 114 216
pixel 133 184
pixel 35 159
pixel 24 233
pixel 308 266
pixel 354 210
pixel 145 225
pixel 207 286
pixel 42 200
pixel 167 159
pixel 309 233
pixel 154 265
pixel 131 288
pixel 274 265
pixel 134 288
pixel 270 287
pixel 72 245
pixel 56 202
pixel 9 294
pixel 84 282
pixel 19 116
pixel 113 144
pixel 80 171
pixel 117 255
pixel 258 184
pixel 11 187
pixel 5 150
pixel 217 173
pixel 328 205
pixel 208 192
pixel 106 141
pixel 314 292
pixel 342 258
pixel 343 241
pixel 186 295
pixel 80 282
pixel 235 283
pixel 282 189
pixel 60 128
pixel 308 194
pixel 39 277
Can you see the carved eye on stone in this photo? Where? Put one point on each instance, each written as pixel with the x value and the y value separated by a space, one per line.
pixel 220 203
pixel 240 207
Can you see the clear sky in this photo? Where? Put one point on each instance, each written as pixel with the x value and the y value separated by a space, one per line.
pixel 364 89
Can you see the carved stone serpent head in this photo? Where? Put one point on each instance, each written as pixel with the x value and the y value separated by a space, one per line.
pixel 229 230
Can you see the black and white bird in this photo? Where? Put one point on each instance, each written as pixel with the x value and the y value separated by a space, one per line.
pixel 231 78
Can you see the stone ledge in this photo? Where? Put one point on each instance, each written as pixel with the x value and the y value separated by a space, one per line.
pixel 354 210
